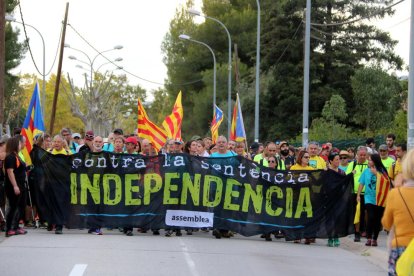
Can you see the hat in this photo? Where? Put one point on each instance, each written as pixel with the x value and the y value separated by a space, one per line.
pixel 178 141
pixel 325 146
pixel 131 140
pixel 89 135
pixel 254 146
pixel 195 138
pixel 4 138
pixel 119 131
pixel 344 152
pixel 76 135
pixel 383 147
pixel 284 143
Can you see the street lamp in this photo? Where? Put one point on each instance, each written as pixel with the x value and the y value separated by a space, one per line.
pixel 186 37
pixel 91 61
pixel 305 121
pixel 256 109
pixel 197 13
pixel 12 19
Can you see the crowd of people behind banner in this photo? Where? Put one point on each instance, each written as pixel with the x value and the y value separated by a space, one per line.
pixel 389 164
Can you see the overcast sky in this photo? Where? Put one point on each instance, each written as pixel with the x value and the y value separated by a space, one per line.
pixel 138 25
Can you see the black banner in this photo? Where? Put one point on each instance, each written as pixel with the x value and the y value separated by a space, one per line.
pixel 179 190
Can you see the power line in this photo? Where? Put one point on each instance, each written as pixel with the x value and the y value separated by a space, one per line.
pixel 126 71
pixel 290 42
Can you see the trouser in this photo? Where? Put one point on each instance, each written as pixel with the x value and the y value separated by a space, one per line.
pixel 16 206
pixel 374 213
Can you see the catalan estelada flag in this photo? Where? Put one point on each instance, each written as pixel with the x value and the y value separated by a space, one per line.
pixel 382 188
pixel 237 131
pixel 215 124
pixel 33 124
pixel 172 123
pixel 148 130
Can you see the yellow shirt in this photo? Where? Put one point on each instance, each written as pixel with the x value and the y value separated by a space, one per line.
pixel 298 167
pixel 62 151
pixel 260 157
pixel 395 170
pixel 396 214
pixel 317 163
pixel 388 163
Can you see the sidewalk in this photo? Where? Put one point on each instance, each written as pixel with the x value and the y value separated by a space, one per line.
pixel 377 255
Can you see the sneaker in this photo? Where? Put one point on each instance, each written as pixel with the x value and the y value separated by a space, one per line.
pixel 330 242
pixel 357 237
pixel 91 230
pixel 308 241
pixel 155 232
pixel 189 232
pixel 368 243
pixel 58 231
pixel 279 235
pixel 364 234
pixel 128 233
pixel 374 243
pixel 98 232
pixel 296 241
pixel 217 234
pixel 21 231
pixel 168 233
pixel 178 233
pixel 268 237
pixel 10 233
pixel 336 242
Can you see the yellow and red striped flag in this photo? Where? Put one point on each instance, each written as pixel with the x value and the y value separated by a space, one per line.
pixel 172 123
pixel 148 130
pixel 33 124
pixel 382 188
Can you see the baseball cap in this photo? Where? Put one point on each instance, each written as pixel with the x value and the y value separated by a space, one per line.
pixel 4 138
pixel 89 135
pixel 254 146
pixel 76 135
pixel 284 143
pixel 325 146
pixel 119 131
pixel 195 138
pixel 178 141
pixel 132 140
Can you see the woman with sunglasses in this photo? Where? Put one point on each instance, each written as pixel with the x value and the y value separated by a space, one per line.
pixel 302 164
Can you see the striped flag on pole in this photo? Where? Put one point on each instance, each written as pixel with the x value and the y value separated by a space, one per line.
pixel 237 131
pixel 215 124
pixel 148 130
pixel 33 123
pixel 172 123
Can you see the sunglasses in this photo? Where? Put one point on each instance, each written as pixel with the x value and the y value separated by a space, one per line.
pixel 89 136
pixel 272 161
pixel 307 157
pixel 343 158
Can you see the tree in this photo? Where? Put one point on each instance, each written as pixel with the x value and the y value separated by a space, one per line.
pixel 376 97
pixel 100 102
pixel 13 56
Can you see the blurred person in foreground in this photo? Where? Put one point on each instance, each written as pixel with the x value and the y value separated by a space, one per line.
pixel 399 213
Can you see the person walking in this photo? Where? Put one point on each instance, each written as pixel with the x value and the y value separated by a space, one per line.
pixel 399 213
pixel 377 184
pixel 15 180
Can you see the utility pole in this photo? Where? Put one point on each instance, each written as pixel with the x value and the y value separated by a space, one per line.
pixel 2 60
pixel 59 72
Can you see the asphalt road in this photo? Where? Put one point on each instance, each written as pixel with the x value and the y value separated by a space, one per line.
pixel 77 253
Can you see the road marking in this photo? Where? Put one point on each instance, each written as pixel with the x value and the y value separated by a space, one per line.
pixel 188 259
pixel 78 270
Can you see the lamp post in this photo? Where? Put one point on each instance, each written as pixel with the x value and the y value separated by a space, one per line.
pixel 12 19
pixel 91 61
pixel 197 13
pixel 305 123
pixel 410 109
pixel 186 37
pixel 256 109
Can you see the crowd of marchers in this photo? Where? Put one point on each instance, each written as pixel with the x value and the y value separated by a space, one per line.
pixel 389 163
